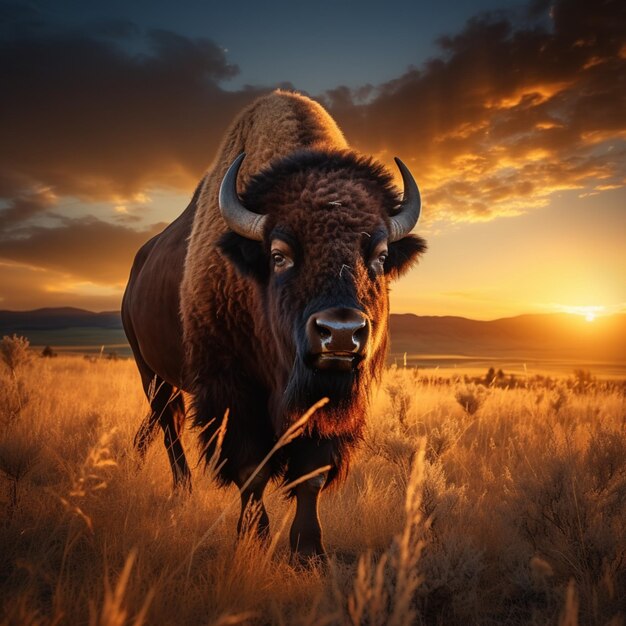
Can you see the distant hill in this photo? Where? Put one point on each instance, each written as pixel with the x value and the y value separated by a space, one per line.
pixel 57 319
pixel 541 336
pixel 562 335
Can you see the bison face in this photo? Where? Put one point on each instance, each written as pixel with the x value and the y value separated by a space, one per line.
pixel 322 256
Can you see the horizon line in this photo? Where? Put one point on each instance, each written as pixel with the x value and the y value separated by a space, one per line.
pixel 572 314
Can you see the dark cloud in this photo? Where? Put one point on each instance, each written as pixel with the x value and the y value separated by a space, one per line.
pixel 86 249
pixel 22 207
pixel 91 117
pixel 514 113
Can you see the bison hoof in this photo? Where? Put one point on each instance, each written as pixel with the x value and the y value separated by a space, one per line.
pixel 311 562
pixel 313 558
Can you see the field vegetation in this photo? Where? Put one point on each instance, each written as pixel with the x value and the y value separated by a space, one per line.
pixel 468 502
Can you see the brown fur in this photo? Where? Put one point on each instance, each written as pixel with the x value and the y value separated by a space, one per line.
pixel 269 128
pixel 204 312
pixel 223 323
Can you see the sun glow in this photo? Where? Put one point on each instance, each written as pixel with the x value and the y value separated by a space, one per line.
pixel 588 312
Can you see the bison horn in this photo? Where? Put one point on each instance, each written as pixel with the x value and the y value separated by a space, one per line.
pixel 403 222
pixel 243 222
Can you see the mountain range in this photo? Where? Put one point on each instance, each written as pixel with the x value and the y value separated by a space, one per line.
pixel 538 336
pixel 557 335
pixel 57 319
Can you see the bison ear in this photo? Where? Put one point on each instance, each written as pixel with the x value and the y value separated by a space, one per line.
pixel 246 255
pixel 403 254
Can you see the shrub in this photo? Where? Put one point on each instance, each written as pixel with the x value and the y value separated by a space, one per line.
pixel 48 352
pixel 14 352
pixel 470 398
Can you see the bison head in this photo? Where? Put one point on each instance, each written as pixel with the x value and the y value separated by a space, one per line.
pixel 322 234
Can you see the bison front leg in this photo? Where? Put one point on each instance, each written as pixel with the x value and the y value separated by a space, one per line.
pixel 306 531
pixel 253 514
pixel 308 464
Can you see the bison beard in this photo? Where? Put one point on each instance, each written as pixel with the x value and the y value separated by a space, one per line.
pixel 345 412
pixel 339 424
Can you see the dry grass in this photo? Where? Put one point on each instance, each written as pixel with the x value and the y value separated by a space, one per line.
pixel 513 512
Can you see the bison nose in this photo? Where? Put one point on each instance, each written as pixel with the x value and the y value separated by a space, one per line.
pixel 338 333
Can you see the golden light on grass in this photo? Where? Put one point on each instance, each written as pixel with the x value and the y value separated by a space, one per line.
pixel 464 504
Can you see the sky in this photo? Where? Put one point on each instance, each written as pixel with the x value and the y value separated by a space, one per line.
pixel 511 116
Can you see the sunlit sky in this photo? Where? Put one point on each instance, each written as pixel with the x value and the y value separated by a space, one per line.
pixel 511 115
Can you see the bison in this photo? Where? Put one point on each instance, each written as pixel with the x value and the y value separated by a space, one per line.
pixel 268 293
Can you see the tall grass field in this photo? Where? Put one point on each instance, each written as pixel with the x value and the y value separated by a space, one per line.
pixel 467 503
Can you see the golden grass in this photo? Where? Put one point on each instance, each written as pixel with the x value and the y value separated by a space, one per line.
pixel 513 512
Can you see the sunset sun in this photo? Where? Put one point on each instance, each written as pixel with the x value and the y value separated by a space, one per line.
pixel 590 313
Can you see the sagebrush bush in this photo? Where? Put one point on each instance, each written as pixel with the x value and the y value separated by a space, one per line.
pixel 14 352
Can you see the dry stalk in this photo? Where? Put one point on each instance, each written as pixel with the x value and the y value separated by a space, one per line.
pixel 384 591
pixel 113 612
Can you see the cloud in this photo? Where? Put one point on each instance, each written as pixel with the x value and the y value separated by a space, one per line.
pixel 113 110
pixel 110 110
pixel 85 249
pixel 24 287
pixel 99 115
pixel 505 116
pixel 25 206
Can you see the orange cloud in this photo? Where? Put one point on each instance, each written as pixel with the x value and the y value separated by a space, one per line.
pixel 26 287
pixel 519 113
pixel 85 249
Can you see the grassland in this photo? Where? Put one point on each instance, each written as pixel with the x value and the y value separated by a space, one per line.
pixel 465 505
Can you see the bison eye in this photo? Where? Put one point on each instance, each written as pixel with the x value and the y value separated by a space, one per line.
pixel 378 258
pixel 280 261
pixel 281 255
